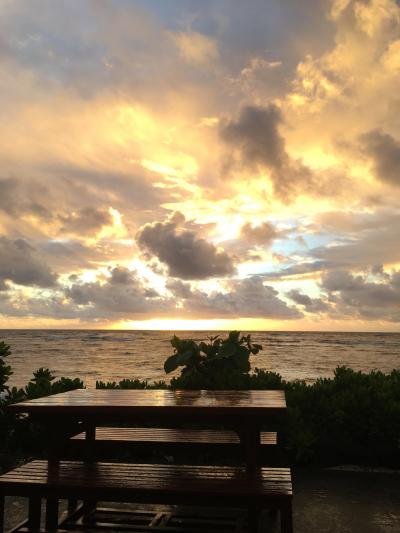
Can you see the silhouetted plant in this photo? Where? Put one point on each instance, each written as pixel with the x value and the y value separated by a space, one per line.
pixel 131 384
pixel 352 417
pixel 208 361
pixel 5 370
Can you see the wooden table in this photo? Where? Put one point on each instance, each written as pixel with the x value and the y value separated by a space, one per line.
pixel 244 411
pixel 65 414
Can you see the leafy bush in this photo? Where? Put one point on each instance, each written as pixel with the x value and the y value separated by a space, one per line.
pixel 131 384
pixel 220 362
pixel 5 370
pixel 352 417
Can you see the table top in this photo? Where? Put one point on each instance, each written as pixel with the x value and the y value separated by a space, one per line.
pixel 156 402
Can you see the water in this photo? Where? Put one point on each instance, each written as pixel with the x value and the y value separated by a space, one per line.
pixel 115 355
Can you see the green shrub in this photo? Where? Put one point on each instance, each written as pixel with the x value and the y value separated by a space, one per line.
pixel 5 370
pixel 352 417
pixel 131 384
pixel 220 363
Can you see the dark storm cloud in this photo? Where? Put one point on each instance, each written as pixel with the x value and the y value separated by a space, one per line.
pixel 367 247
pixel 17 198
pixel 384 150
pixel 99 189
pixel 186 255
pixel 311 305
pixel 361 297
pixel 255 134
pixel 244 298
pixel 91 47
pixel 363 239
pixel 122 294
pixel 22 264
pixel 72 255
pixel 262 234
pixel 297 270
pixel 86 221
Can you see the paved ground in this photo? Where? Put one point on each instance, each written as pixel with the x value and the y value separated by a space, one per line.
pixel 346 502
pixel 326 502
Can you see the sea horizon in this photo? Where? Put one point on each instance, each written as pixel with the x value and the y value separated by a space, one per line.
pixel 209 329
pixel 111 355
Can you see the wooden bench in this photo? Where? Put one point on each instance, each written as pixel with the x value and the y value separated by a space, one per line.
pixel 172 436
pixel 222 486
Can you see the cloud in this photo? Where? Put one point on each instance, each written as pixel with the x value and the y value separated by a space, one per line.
pixel 356 241
pixel 196 48
pixel 256 134
pixel 360 297
pixel 369 239
pixel 21 263
pixel 72 255
pixel 123 295
pixel 384 150
pixel 256 137
pixel 262 234
pixel 186 255
pixel 243 298
pixel 17 199
pixel 86 220
pixel 311 305
pixel 298 269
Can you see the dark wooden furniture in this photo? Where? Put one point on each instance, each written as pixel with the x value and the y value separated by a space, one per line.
pixel 220 486
pixel 173 437
pixel 244 412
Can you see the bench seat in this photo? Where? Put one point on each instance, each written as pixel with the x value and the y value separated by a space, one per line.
pixel 219 486
pixel 173 436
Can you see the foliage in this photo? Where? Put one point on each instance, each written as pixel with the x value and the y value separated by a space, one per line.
pixel 17 433
pixel 206 363
pixel 5 370
pixel 131 384
pixel 353 417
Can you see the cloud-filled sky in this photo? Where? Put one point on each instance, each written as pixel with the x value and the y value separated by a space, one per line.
pixel 214 164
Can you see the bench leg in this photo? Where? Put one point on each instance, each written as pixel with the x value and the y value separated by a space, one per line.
pixel 90 442
pixel 286 518
pixel 2 504
pixel 253 518
pixel 52 514
pixel 89 507
pixel 34 513
pixel 72 505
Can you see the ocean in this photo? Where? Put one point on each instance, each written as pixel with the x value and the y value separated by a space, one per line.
pixel 115 355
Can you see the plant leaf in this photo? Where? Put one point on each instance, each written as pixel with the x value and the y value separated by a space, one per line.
pixel 171 364
pixel 185 357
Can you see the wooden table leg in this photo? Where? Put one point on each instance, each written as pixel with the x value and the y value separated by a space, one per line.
pixel 251 438
pixel 253 518
pixel 2 505
pixel 90 439
pixel 286 518
pixel 34 513
pixel 252 447
pixel 72 505
pixel 51 514
pixel 58 436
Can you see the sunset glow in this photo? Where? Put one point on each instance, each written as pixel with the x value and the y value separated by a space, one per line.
pixel 205 166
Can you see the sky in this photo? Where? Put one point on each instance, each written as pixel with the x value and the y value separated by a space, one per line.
pixel 219 164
